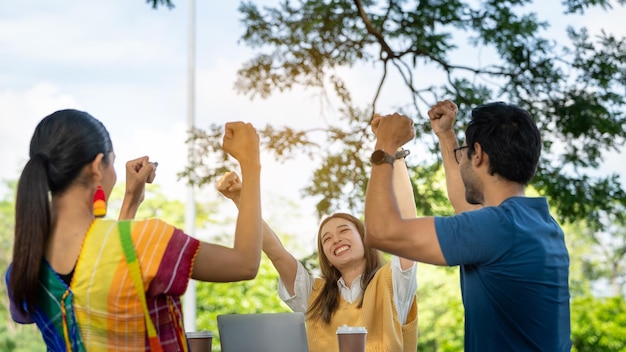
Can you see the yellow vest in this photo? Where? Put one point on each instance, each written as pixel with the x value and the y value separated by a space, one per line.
pixel 378 315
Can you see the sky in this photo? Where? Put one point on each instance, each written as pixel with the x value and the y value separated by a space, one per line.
pixel 127 64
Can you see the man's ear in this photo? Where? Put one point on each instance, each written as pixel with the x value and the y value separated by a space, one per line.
pixel 96 167
pixel 479 156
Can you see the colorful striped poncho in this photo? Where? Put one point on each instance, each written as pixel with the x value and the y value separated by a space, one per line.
pixel 101 310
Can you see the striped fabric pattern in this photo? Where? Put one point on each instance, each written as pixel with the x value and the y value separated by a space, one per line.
pixel 101 310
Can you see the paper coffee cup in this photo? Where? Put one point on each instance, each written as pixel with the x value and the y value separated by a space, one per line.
pixel 200 341
pixel 351 338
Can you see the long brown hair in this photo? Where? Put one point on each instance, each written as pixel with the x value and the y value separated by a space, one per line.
pixel 327 302
pixel 63 143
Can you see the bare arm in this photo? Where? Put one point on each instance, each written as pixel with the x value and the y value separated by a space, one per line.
pixel 403 191
pixel 386 229
pixel 442 116
pixel 138 172
pixel 284 262
pixel 220 264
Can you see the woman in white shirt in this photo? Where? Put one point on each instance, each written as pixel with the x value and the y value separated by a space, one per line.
pixel 355 288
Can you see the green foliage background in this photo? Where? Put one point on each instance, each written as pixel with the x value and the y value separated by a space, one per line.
pixel 574 89
pixel 598 321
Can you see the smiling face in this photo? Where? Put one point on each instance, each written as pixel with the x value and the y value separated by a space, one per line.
pixel 341 242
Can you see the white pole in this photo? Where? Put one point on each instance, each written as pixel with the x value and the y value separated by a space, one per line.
pixel 189 305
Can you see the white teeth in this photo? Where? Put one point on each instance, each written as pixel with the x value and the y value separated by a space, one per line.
pixel 341 249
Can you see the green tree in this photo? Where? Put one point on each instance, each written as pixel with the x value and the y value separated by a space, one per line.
pixel 599 324
pixel 573 87
pixel 440 309
pixel 598 306
pixel 607 260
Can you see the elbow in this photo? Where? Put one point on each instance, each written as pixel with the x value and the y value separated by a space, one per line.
pixel 249 271
pixel 252 272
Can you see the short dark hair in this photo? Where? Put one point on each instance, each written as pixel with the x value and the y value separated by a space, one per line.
pixel 509 135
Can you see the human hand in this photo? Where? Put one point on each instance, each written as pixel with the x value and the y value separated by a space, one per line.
pixel 229 185
pixel 242 142
pixel 392 131
pixel 139 172
pixel 375 122
pixel 442 116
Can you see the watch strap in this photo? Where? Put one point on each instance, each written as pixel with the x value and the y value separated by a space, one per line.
pixel 403 153
pixel 379 157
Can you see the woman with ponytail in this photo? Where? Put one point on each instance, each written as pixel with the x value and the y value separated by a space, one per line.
pixel 97 284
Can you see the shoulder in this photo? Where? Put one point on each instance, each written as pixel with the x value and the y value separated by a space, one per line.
pixel 137 228
pixel 469 220
pixel 383 274
pixel 525 205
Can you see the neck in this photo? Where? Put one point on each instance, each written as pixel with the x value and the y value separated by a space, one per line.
pixel 72 215
pixel 501 190
pixel 352 272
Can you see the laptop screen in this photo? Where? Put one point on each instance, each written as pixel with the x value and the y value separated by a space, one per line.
pixel 263 332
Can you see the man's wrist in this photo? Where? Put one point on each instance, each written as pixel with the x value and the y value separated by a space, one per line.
pixel 380 156
pixel 389 147
pixel 447 136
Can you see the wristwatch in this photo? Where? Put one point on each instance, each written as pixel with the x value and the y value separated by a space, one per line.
pixel 379 156
pixel 402 153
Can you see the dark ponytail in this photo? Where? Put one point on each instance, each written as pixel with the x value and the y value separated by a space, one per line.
pixel 31 206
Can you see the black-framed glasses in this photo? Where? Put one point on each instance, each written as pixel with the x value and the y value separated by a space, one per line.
pixel 458 153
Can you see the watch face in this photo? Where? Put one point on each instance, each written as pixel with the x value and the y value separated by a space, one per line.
pixel 379 156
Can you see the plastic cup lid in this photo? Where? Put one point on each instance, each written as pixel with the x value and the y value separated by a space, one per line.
pixel 345 329
pixel 198 334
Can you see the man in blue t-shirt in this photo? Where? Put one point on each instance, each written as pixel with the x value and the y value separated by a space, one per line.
pixel 511 252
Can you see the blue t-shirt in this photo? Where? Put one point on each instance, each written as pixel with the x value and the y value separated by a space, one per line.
pixel 514 276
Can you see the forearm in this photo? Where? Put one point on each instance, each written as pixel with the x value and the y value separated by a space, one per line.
pixel 285 263
pixel 454 182
pixel 414 239
pixel 403 190
pixel 129 208
pixel 248 232
pixel 381 209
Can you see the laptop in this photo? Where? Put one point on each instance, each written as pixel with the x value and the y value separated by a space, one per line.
pixel 263 332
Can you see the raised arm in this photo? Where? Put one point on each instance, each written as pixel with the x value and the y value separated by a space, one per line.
pixel 404 196
pixel 442 117
pixel 385 228
pixel 403 191
pixel 221 264
pixel 284 262
pixel 138 172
